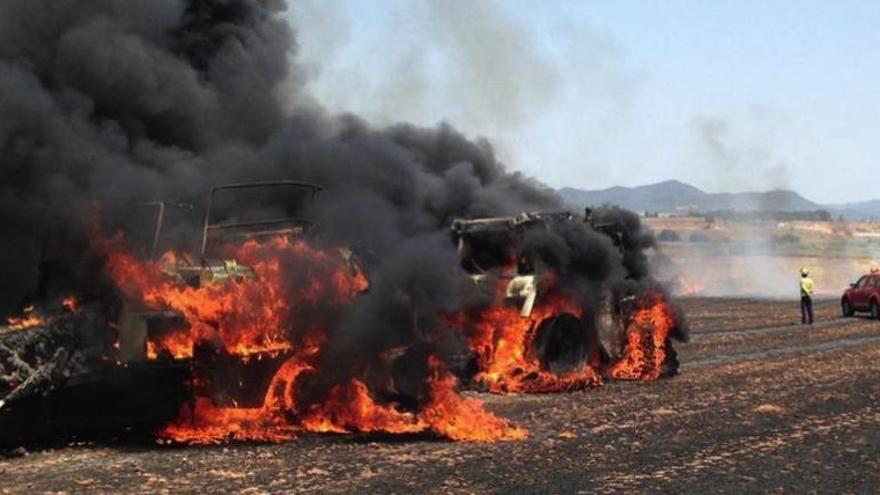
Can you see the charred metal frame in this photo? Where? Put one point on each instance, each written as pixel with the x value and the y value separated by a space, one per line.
pixel 208 227
pixel 462 226
pixel 160 219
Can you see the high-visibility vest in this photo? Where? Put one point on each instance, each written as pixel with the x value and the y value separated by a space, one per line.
pixel 807 286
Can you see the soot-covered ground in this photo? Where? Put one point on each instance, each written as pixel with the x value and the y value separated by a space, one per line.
pixel 761 405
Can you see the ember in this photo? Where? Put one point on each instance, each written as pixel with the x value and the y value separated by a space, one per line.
pixel 28 319
pixel 206 423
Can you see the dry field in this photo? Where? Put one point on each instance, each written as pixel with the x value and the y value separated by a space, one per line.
pixel 762 258
pixel 761 405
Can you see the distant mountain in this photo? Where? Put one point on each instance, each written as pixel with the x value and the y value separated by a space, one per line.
pixel 673 196
pixel 857 210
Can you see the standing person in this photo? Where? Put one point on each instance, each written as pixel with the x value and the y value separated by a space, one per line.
pixel 807 288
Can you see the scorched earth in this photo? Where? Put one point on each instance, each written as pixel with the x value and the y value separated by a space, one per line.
pixel 761 405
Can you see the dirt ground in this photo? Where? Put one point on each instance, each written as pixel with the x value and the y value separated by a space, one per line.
pixel 762 405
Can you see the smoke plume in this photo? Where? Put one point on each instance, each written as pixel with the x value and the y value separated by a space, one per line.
pixel 118 103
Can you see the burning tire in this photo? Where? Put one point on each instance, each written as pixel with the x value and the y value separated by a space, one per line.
pixel 648 353
pixel 559 343
pixel 407 372
pixel 406 369
pixel 564 342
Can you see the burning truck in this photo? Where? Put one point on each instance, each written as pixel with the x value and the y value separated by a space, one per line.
pixel 226 343
pixel 279 313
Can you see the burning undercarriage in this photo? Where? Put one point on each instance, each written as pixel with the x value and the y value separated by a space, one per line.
pixel 227 344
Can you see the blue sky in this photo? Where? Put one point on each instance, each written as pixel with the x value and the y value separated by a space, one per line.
pixel 726 95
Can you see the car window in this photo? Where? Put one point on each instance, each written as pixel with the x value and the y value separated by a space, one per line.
pixel 875 282
pixel 862 281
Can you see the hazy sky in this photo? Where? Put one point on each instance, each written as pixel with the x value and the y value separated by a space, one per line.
pixel 726 95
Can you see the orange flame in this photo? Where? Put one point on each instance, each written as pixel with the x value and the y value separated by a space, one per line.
pixel 647 338
pixel 688 287
pixel 446 413
pixel 70 304
pixel 347 408
pixel 288 306
pixel 460 418
pixel 177 343
pixel 206 423
pixel 247 317
pixel 502 341
pixel 28 319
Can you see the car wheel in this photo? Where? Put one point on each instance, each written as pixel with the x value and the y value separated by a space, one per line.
pixel 875 310
pixel 846 309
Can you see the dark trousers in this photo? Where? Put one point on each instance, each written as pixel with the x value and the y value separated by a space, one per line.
pixel 807 310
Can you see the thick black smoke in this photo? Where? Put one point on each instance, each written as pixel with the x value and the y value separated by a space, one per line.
pixel 120 102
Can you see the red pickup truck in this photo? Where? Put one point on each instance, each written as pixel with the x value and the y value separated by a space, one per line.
pixel 863 295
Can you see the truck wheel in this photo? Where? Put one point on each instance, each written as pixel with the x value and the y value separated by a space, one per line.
pixel 846 309
pixel 561 343
pixel 875 310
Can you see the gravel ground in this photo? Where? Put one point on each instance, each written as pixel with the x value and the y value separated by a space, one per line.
pixel 762 405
